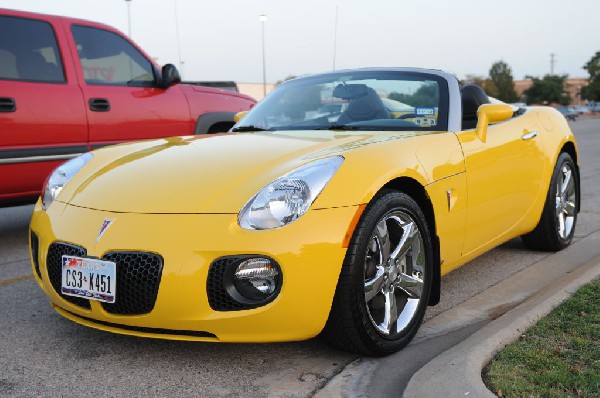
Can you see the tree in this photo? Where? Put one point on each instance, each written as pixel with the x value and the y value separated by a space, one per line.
pixel 592 90
pixel 502 79
pixel 426 96
pixel 551 88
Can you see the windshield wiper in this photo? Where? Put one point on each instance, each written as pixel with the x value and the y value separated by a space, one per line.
pixel 249 128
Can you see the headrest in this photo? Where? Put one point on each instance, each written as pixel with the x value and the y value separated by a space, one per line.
pixel 473 97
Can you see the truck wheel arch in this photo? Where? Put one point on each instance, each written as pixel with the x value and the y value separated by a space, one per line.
pixel 214 122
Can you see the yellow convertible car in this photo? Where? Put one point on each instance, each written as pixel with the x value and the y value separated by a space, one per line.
pixel 305 219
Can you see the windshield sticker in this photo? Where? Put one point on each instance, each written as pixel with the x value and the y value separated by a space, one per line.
pixel 425 111
pixel 424 121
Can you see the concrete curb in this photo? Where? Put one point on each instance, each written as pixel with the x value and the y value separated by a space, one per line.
pixel 505 309
pixel 457 372
pixel 351 381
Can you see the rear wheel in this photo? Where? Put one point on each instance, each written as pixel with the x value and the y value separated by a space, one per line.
pixel 384 286
pixel 556 227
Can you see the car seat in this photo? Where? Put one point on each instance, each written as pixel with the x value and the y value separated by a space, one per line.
pixel 366 105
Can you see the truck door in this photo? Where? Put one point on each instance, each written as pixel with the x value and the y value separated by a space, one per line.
pixel 42 118
pixel 119 84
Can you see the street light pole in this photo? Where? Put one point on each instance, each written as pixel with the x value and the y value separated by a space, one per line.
pixel 178 40
pixel 263 18
pixel 128 17
pixel 335 36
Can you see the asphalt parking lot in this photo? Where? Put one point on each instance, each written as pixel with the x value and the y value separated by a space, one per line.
pixel 43 354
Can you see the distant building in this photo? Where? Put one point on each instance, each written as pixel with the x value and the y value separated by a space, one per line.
pixel 572 87
pixel 254 90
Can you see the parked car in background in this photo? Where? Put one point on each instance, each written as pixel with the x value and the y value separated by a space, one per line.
pixel 568 112
pixel 579 109
pixel 68 86
pixel 594 106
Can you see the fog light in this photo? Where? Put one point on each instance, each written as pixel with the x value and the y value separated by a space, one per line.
pixel 256 278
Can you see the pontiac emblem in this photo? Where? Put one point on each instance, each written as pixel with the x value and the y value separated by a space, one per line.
pixel 107 223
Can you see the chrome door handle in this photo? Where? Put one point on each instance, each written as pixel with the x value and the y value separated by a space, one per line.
pixel 530 135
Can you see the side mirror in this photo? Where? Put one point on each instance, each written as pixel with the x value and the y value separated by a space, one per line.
pixel 170 76
pixel 489 114
pixel 239 116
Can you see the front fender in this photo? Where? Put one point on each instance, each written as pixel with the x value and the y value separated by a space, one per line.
pixel 424 158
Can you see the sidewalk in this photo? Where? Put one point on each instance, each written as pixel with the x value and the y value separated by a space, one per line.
pixel 457 372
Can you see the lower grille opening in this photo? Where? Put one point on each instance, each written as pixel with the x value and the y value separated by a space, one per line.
pixel 54 266
pixel 138 278
pixel 223 293
pixel 35 251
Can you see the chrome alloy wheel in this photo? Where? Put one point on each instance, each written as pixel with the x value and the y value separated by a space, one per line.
pixel 566 198
pixel 394 273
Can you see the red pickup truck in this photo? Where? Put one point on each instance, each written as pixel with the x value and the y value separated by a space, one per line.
pixel 69 85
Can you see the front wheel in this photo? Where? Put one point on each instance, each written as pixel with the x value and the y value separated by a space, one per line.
pixel 384 286
pixel 556 227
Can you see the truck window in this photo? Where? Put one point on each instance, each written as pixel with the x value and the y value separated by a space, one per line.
pixel 29 51
pixel 108 59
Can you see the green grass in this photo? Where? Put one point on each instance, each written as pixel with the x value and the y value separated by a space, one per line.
pixel 557 357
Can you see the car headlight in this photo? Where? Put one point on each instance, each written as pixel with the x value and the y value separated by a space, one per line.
pixel 290 196
pixel 60 176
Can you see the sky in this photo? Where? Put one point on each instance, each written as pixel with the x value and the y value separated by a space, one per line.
pixel 222 39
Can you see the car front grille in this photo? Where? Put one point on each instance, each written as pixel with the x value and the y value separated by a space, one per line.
pixel 54 266
pixel 138 278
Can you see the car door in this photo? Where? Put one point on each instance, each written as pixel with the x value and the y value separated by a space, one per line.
pixel 120 90
pixel 42 118
pixel 504 177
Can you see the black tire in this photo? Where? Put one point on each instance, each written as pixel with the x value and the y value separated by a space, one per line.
pixel 353 323
pixel 548 235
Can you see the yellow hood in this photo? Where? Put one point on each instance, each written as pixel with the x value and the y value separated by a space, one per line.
pixel 205 174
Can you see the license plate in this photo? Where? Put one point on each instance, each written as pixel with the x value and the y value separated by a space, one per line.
pixel 89 278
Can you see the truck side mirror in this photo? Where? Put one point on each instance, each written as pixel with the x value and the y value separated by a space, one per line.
pixel 170 76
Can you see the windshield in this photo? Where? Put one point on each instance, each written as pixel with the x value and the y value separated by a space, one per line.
pixel 363 100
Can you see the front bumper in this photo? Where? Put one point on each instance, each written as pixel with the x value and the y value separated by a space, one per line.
pixel 309 252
